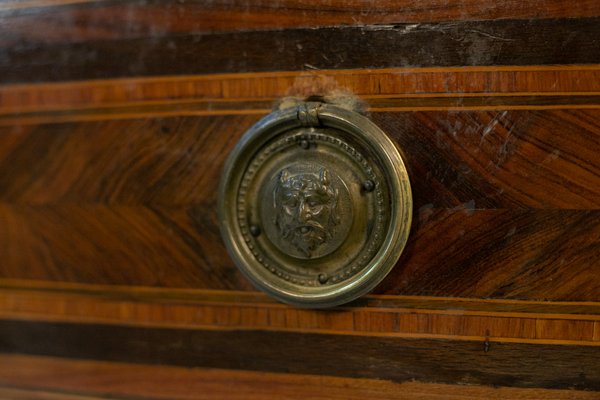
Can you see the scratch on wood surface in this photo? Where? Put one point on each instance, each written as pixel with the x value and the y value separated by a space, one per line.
pixel 490 35
pixel 489 127
pixel 400 28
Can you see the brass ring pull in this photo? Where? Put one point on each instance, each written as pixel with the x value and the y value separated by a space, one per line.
pixel 315 205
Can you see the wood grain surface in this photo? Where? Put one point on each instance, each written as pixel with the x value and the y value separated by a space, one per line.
pixel 48 378
pixel 116 118
pixel 398 359
pixel 462 43
pixel 396 89
pixel 484 257
pixel 519 344
pixel 375 315
pixel 542 159
pixel 512 194
pixel 81 20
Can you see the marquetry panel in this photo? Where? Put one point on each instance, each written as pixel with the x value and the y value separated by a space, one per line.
pixel 512 194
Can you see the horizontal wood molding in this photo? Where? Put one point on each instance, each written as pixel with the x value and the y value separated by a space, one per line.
pixel 233 94
pixel 383 316
pixel 50 378
pixel 262 107
pixel 392 358
pixel 452 44
pixel 109 19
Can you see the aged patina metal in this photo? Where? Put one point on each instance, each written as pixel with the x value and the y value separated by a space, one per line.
pixel 315 204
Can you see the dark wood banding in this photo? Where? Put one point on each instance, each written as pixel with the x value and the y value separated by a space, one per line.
pixel 51 378
pixel 395 359
pixel 69 21
pixel 443 44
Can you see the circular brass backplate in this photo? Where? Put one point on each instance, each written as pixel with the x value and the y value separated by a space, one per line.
pixel 315 205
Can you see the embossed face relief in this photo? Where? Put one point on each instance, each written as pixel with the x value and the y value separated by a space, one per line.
pixel 306 210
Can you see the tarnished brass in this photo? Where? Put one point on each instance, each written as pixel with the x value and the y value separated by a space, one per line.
pixel 315 205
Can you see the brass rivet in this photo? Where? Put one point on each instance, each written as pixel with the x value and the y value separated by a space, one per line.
pixel 323 278
pixel 368 185
pixel 255 230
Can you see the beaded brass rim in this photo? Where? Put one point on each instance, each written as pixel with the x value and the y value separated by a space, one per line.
pixel 315 205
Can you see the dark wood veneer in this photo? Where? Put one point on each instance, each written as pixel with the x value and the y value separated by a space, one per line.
pixel 543 159
pixel 51 378
pixel 70 22
pixel 527 254
pixel 443 361
pixel 506 203
pixel 116 118
pixel 443 44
